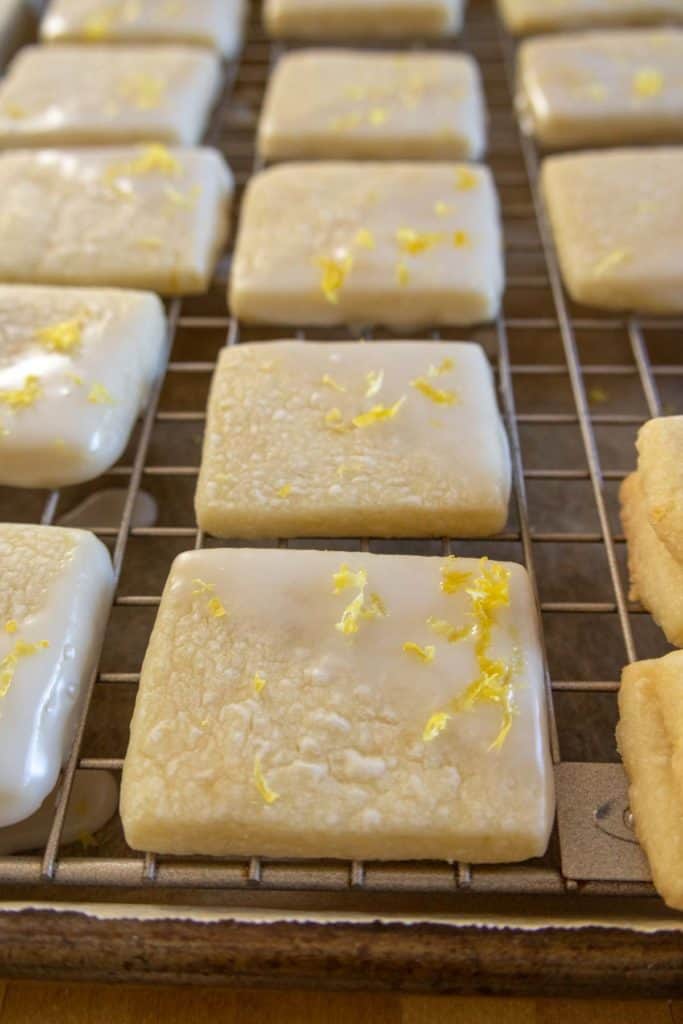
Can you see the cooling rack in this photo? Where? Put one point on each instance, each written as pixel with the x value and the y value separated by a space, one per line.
pixel 574 388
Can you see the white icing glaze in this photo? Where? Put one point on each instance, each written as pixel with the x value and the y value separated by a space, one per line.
pixel 64 437
pixel 73 96
pixel 57 585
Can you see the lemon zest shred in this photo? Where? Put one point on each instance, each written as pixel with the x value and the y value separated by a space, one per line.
pixel 402 273
pixel 364 239
pixel 425 654
pixel 373 382
pixel 436 724
pixel 357 609
pixel 154 157
pixel 329 381
pixel 442 209
pixel 610 260
pixel 465 179
pixel 334 273
pixel 344 578
pixel 64 336
pixel 415 242
pixel 202 587
pixel 258 683
pixel 445 366
pixel 284 491
pixel 378 414
pixel 334 419
pixel 99 395
pixel 450 633
pixel 269 795
pixel 453 580
pixel 437 395
pixel 21 398
pixel 216 608
pixel 11 626
pixel 648 82
pixel 8 665
pixel 461 239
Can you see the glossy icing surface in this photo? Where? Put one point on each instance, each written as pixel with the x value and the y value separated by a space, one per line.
pixel 74 95
pixel 403 244
pixel 75 369
pixel 284 457
pixel 347 104
pixel 135 217
pixel 55 593
pixel 312 703
pixel 603 87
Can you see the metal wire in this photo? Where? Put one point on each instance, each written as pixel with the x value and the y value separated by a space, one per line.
pixel 529 244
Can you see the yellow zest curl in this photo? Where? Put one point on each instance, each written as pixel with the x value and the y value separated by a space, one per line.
pixel 330 382
pixel 378 414
pixel 21 398
pixel 415 242
pixel 648 82
pixel 437 395
pixel 425 654
pixel 258 683
pixel 450 633
pixel 269 795
pixel 373 382
pixel 8 665
pixel 61 337
pixel 334 274
pixel 452 580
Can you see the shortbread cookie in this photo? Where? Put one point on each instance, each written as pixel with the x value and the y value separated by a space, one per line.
pixel 76 365
pixel 135 217
pixel 524 17
pixel 216 24
pixel 325 704
pixel 359 19
pixel 650 738
pixel 345 104
pixel 15 26
pixel 55 591
pixel 401 244
pixel 600 88
pixel 617 218
pixel 656 576
pixel 390 439
pixel 660 467
pixel 99 95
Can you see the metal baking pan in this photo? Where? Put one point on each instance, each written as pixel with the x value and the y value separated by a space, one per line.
pixel 574 388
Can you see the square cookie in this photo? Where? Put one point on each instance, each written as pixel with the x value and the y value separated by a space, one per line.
pixel 399 439
pixel 97 95
pixel 326 704
pixel 401 244
pixel 216 24
pixel 602 88
pixel 617 218
pixel 524 17
pixel 656 576
pixel 356 19
pixel 76 366
pixel 345 104
pixel 56 587
pixel 650 738
pixel 660 467
pixel 135 217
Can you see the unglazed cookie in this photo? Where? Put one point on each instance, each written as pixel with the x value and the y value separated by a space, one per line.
pixel 76 365
pixel 325 704
pixel 617 218
pixel 136 217
pixel 523 17
pixel 346 104
pixel 650 738
pixel 357 19
pixel 389 439
pixel 656 576
pixel 401 244
pixel 217 24
pixel 660 467
pixel 55 591
pixel 602 88
pixel 98 95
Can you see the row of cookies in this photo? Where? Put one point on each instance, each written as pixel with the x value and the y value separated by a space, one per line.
pixel 76 364
pixel 616 219
pixel 351 705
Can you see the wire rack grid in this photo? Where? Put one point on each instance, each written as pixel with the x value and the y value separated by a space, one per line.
pixel 574 387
